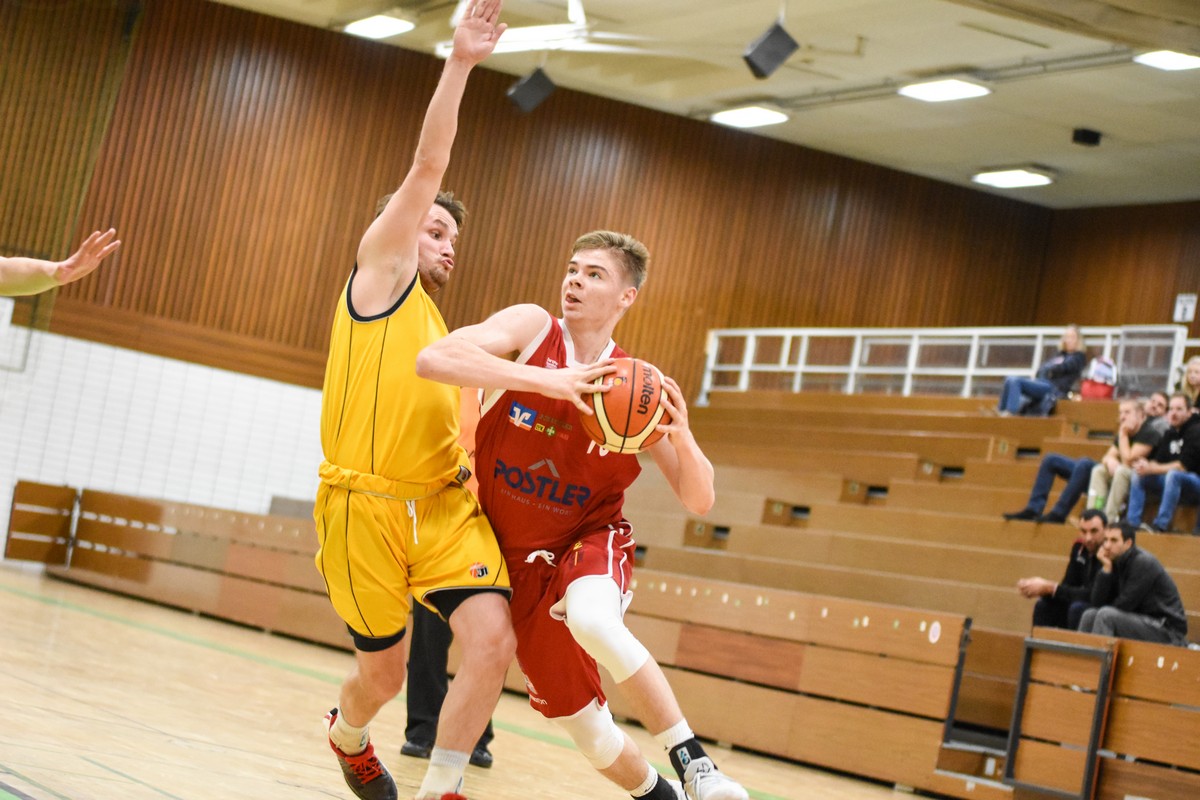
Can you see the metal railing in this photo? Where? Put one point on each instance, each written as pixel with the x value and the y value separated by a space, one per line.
pixel 968 362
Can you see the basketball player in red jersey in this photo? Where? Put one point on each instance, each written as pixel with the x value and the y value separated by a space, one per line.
pixel 554 499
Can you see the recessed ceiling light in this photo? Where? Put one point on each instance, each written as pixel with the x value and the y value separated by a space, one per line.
pixel 749 117
pixel 1168 59
pixel 942 90
pixel 1015 177
pixel 380 26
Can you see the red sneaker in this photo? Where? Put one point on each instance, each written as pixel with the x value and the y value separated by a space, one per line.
pixel 365 774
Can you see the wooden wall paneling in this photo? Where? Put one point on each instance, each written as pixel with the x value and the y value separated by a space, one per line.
pixel 1115 266
pixel 246 153
pixel 59 70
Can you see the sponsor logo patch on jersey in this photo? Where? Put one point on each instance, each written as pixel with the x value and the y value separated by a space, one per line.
pixel 479 570
pixel 521 416
pixel 534 482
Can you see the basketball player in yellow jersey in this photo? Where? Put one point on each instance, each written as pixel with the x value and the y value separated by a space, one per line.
pixel 392 513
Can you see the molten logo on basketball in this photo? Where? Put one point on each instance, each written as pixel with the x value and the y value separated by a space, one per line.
pixel 649 388
pixel 628 414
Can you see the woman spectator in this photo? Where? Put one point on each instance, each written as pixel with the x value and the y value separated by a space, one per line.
pixel 1055 378
pixel 1189 384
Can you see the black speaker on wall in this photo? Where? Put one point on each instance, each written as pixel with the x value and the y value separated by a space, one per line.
pixel 768 52
pixel 529 92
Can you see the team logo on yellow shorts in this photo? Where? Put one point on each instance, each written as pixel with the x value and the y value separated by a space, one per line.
pixel 479 570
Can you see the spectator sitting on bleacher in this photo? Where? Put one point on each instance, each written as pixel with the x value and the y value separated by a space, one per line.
pixel 1170 470
pixel 1134 440
pixel 1061 605
pixel 1136 437
pixel 1156 411
pixel 1133 596
pixel 1056 377
pixel 1189 382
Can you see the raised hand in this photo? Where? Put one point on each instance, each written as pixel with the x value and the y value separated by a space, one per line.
pixel 478 31
pixel 84 261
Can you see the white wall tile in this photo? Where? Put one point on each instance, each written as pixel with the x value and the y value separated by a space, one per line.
pixel 100 417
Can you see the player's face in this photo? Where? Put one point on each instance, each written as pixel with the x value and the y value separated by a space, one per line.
pixel 595 287
pixel 435 248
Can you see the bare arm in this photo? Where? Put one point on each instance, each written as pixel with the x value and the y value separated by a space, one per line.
pixel 1111 459
pixel 481 355
pixel 1138 451
pixel 681 460
pixel 387 254
pixel 22 276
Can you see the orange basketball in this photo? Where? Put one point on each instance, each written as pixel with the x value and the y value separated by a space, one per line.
pixel 626 415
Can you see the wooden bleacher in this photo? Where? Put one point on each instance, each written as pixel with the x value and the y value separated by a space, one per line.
pixel 793 674
pixel 1026 432
pixel 941 448
pixel 1140 700
pixel 252 569
pixel 811 509
pixel 927 540
pixel 1096 416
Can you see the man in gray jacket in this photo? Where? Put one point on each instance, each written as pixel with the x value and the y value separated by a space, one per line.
pixel 1133 596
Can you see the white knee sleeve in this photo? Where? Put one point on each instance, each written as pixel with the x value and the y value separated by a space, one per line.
pixel 594 609
pixel 595 734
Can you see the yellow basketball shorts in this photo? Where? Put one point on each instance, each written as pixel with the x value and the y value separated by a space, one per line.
pixel 374 550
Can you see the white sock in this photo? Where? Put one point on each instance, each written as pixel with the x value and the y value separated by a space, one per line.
pixel 349 739
pixel 445 773
pixel 648 784
pixel 675 735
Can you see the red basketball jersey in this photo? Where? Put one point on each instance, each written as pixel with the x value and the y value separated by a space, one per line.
pixel 542 482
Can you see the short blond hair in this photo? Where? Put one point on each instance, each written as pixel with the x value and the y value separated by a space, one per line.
pixel 633 254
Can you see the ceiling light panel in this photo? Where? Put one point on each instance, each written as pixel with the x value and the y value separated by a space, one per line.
pixel 940 91
pixel 749 117
pixel 1168 60
pixel 380 26
pixel 1015 177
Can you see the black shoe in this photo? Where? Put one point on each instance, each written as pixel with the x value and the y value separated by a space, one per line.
pixel 416 749
pixel 1052 518
pixel 1024 515
pixel 480 757
pixel 365 774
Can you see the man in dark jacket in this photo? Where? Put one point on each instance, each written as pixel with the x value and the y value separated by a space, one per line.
pixel 1061 605
pixel 1133 596
pixel 1171 468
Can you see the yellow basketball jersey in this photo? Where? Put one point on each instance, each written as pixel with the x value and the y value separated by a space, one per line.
pixel 377 416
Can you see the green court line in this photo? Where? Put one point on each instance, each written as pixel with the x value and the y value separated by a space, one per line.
pixel 4 795
pixel 519 730
pixel 180 637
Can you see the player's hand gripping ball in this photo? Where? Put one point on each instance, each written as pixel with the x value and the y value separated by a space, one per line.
pixel 627 414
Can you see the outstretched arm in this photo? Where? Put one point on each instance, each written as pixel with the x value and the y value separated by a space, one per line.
pixel 681 460
pixel 482 355
pixel 387 254
pixel 21 276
